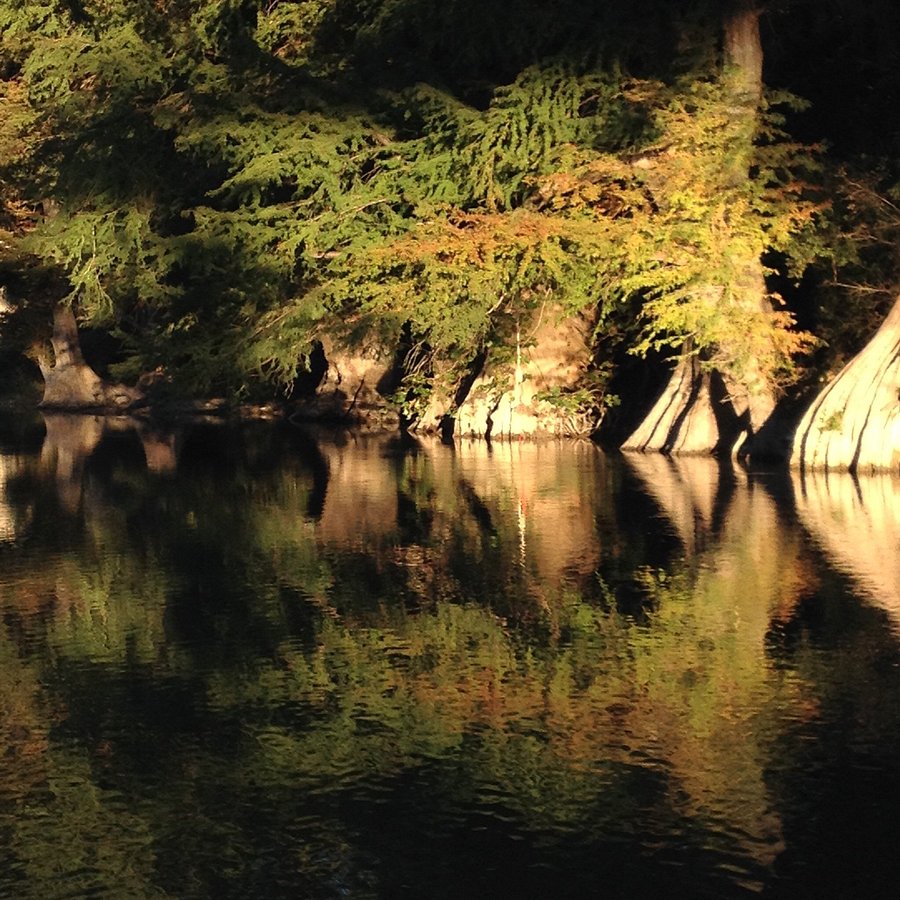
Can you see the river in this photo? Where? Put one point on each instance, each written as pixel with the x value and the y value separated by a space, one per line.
pixel 242 661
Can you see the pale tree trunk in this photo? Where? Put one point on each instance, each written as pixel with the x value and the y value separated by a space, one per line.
pixel 532 397
pixel 69 382
pixel 689 416
pixel 351 388
pixel 854 423
pixel 683 419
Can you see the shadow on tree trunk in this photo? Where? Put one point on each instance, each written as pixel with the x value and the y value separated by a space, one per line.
pixel 69 382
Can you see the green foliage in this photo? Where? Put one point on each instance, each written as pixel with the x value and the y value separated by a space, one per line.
pixel 679 231
pixel 590 401
pixel 286 30
pixel 306 203
pixel 431 228
pixel 834 422
pixel 105 250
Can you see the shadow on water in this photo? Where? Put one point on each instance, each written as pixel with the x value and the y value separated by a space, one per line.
pixel 241 661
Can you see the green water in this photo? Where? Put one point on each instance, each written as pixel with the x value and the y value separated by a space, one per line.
pixel 258 662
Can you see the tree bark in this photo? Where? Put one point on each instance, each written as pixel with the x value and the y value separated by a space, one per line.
pixel 69 382
pixel 854 423
pixel 743 54
pixel 531 398
pixel 691 416
pixel 683 419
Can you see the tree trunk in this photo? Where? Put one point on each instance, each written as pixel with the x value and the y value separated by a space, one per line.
pixel 69 382
pixel 854 423
pixel 351 389
pixel 685 417
pixel 535 397
pixel 751 394
pixel 692 415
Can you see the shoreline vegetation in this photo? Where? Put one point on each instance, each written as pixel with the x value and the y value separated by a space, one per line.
pixel 850 425
pixel 669 227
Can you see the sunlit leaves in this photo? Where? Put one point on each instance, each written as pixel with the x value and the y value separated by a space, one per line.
pixel 683 232
pixel 106 250
pixel 301 203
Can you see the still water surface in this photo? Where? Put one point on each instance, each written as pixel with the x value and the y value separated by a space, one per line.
pixel 253 662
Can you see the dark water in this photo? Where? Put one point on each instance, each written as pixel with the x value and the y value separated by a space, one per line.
pixel 245 662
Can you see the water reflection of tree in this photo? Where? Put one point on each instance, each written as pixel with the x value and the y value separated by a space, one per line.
pixel 856 521
pixel 278 622
pixel 837 767
pixel 679 696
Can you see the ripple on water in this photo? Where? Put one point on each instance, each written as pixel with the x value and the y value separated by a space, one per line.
pixel 532 673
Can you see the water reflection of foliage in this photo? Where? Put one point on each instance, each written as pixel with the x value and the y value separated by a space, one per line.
pixel 551 730
pixel 323 659
pixel 73 838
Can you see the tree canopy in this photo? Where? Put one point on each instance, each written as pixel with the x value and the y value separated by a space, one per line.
pixel 221 184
